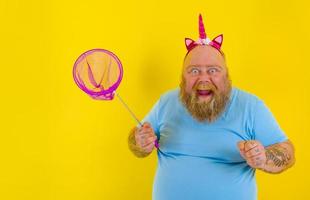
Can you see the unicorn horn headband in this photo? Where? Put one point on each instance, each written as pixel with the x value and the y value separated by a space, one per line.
pixel 203 39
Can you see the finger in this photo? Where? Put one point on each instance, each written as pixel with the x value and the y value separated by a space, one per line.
pixel 146 133
pixel 145 139
pixel 146 124
pixel 254 157
pixel 149 141
pixel 145 136
pixel 145 129
pixel 141 130
pixel 256 161
pixel 149 147
pixel 258 158
pixel 250 144
pixel 254 151
pixel 241 145
pixel 141 141
pixel 242 155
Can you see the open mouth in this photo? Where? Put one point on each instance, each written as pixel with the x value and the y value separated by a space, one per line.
pixel 204 92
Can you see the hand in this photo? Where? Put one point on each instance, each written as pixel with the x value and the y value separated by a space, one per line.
pixel 145 138
pixel 253 152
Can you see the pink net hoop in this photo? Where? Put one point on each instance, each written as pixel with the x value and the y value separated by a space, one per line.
pixel 98 72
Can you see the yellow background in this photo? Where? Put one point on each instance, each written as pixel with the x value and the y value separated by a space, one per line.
pixel 57 143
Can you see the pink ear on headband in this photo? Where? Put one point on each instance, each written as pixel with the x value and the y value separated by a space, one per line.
pixel 217 42
pixel 203 39
pixel 190 44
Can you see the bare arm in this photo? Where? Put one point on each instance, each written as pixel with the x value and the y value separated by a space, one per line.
pixel 272 159
pixel 141 141
pixel 279 157
pixel 134 148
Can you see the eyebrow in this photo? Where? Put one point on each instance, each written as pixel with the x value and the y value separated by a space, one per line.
pixel 208 66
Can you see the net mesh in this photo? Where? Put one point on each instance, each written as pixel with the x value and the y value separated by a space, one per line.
pixel 98 72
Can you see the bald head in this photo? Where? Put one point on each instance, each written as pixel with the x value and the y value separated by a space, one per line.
pixel 204 55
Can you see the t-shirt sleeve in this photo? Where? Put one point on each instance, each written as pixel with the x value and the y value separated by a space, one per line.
pixel 266 129
pixel 152 117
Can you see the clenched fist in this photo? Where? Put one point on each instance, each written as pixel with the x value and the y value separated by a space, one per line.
pixel 253 152
pixel 145 138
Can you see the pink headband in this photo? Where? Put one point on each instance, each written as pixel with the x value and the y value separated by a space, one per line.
pixel 203 39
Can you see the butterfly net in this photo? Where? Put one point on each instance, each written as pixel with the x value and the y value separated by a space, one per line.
pixel 98 72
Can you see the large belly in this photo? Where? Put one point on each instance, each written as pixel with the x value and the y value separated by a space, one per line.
pixel 183 177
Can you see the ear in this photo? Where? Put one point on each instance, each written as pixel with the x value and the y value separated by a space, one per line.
pixel 217 41
pixel 189 43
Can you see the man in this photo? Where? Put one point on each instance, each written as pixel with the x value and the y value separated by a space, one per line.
pixel 212 136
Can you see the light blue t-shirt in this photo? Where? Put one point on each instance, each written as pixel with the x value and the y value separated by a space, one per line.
pixel 201 161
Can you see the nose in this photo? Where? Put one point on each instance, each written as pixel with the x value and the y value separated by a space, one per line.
pixel 204 77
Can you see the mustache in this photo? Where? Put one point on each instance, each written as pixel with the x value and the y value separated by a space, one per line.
pixel 205 111
pixel 203 86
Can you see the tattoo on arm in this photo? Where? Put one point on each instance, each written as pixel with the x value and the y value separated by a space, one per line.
pixel 278 156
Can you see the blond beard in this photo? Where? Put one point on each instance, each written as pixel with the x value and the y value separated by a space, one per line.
pixel 206 111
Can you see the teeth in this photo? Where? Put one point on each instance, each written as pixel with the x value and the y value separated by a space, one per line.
pixel 203 87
